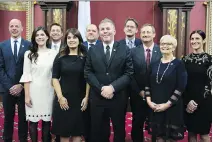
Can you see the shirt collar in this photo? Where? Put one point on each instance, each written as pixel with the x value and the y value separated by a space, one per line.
pixel 127 41
pixel 58 44
pixel 18 40
pixel 91 43
pixel 151 47
pixel 110 45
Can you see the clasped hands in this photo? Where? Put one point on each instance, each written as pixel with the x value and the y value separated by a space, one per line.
pixel 158 107
pixel 15 90
pixel 191 107
pixel 107 92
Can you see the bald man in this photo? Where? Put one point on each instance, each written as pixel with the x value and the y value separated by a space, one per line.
pixel 91 36
pixel 11 68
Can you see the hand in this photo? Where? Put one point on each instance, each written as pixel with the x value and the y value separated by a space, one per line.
pixel 142 94
pixel 162 107
pixel 107 92
pixel 84 104
pixel 192 106
pixel 28 101
pixel 152 105
pixel 63 103
pixel 15 90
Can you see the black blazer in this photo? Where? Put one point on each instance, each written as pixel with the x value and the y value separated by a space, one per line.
pixel 139 64
pixel 10 70
pixel 117 73
pixel 137 42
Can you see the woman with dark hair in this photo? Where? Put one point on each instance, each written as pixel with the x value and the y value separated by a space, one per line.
pixel 197 96
pixel 39 93
pixel 70 87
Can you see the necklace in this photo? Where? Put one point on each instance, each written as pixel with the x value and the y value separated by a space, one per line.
pixel 157 78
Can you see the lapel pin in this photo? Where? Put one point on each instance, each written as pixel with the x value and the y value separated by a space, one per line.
pixel 155 51
pixel 22 45
pixel 114 50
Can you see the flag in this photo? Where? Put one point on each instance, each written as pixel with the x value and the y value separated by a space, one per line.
pixel 84 17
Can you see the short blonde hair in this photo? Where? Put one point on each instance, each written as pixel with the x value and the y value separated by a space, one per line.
pixel 148 25
pixel 169 38
pixel 107 20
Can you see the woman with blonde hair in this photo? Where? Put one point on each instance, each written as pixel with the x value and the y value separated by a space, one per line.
pixel 165 85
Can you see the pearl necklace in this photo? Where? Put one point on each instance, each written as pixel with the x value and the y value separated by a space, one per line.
pixel 157 78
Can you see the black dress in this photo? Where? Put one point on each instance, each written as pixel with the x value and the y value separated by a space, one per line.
pixel 70 70
pixel 199 69
pixel 168 124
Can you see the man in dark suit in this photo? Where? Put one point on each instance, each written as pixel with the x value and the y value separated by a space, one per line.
pixel 108 71
pixel 11 69
pixel 142 56
pixel 56 34
pixel 130 29
pixel 91 36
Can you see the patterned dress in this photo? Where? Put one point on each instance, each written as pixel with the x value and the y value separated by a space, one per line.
pixel 199 69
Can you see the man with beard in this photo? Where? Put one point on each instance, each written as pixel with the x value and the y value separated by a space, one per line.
pixel 142 56
pixel 130 29
pixel 91 36
pixel 108 71
pixel 56 34
pixel 11 69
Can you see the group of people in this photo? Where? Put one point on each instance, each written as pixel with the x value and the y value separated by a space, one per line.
pixel 83 85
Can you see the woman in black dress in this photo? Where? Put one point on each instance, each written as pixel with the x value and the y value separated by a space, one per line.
pixel 166 83
pixel 197 96
pixel 70 87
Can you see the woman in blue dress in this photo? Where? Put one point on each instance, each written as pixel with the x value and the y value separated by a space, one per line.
pixel 165 85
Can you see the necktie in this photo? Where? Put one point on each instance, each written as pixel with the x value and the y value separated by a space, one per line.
pixel 15 50
pixel 55 47
pixel 107 53
pixel 148 57
pixel 91 45
pixel 130 44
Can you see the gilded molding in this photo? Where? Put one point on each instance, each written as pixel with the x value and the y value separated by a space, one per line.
pixel 208 47
pixel 29 19
pixel 13 6
pixel 172 22
pixel 57 16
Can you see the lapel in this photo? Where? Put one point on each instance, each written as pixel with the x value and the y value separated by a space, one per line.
pixel 102 53
pixel 155 54
pixel 140 52
pixel 21 49
pixel 114 50
pixel 9 49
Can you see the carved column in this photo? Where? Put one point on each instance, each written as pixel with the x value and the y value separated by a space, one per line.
pixel 55 12
pixel 176 22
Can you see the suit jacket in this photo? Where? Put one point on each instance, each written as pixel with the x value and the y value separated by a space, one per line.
pixel 137 42
pixel 10 70
pixel 140 69
pixel 117 72
pixel 86 43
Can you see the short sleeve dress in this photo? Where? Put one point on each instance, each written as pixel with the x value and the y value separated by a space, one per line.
pixel 199 69
pixel 70 70
pixel 39 75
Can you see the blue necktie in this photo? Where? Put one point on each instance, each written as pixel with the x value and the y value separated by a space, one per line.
pixel 15 50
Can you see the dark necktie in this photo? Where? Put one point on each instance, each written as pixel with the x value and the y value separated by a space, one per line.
pixel 91 45
pixel 15 50
pixel 107 53
pixel 148 57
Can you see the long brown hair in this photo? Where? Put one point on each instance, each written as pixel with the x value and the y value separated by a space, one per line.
pixel 81 48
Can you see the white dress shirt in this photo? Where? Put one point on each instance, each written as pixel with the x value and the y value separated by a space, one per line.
pixel 110 45
pixel 56 46
pixel 130 43
pixel 151 49
pixel 18 44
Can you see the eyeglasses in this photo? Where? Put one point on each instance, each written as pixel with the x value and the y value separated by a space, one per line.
pixel 164 43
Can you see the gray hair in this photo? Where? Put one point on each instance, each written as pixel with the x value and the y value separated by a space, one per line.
pixel 170 39
pixel 148 25
pixel 107 20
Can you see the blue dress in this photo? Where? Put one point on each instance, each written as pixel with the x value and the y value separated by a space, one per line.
pixel 167 82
